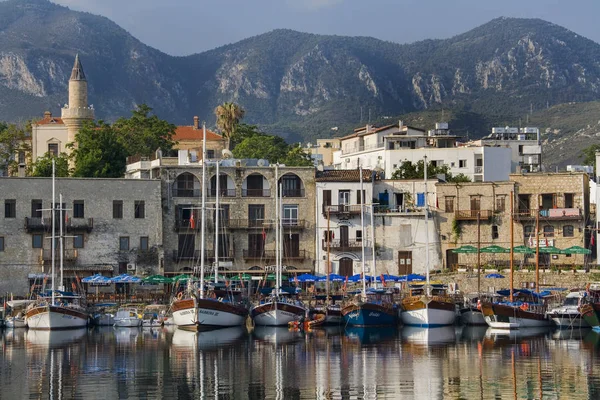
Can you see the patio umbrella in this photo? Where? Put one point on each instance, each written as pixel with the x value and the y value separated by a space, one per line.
pixel 467 249
pixel 358 278
pixel 494 276
pixel 181 278
pixel 415 277
pixel 243 277
pixel 550 250
pixel 387 278
pixel 575 250
pixel 332 278
pixel 494 249
pixel 125 278
pixel 307 278
pixel 523 250
pixel 157 279
pixel 272 277
pixel 212 278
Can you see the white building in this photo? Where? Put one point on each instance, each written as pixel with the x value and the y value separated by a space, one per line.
pixel 387 147
pixel 524 144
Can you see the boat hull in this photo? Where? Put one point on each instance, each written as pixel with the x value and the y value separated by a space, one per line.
pixel 502 316
pixel 428 314
pixel 184 313
pixel 128 322
pixel 277 313
pixel 55 317
pixel 472 316
pixel 214 313
pixel 13 322
pixel 369 314
pixel 104 320
pixel 590 315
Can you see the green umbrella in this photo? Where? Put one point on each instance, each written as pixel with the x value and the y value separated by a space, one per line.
pixel 243 277
pixel 272 277
pixel 465 250
pixel 550 250
pixel 154 279
pixel 181 278
pixel 494 249
pixel 575 250
pixel 523 250
pixel 212 277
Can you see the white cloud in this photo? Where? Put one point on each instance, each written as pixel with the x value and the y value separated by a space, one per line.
pixel 312 5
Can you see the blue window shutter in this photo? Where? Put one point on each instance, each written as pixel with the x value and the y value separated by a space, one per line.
pixel 420 199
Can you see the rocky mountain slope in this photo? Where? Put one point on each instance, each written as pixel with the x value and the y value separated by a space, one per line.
pixel 296 84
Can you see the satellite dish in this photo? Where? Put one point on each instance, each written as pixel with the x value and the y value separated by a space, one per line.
pixel 320 167
pixel 262 163
pixel 226 154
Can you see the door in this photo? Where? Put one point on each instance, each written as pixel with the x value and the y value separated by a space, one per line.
pixel 326 200
pixel 451 259
pixel 256 245
pixel 344 238
pixel 404 262
pixel 343 200
pixel 186 246
pixel 256 214
pixel 290 215
pixel 345 268
pixel 291 246
pixel 475 205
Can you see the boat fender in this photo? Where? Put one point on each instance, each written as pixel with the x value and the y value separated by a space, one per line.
pixel 524 306
pixel 479 305
pixel 179 295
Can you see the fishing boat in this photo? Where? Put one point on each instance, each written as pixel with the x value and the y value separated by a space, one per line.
pixel 330 307
pixel 104 314
pixel 16 321
pixel 590 306
pixel 428 303
pixel 15 314
pixel 127 317
pixel 152 316
pixel 568 315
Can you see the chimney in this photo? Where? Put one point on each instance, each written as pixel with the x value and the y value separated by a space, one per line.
pixel 196 122
pixel 47 115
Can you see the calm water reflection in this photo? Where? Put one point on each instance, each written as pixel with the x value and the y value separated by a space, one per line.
pixel 275 363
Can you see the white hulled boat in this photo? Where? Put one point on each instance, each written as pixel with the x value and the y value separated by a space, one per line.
pixel 568 315
pixel 127 317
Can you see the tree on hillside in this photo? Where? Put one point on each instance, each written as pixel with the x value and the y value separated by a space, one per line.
pixel 13 142
pixel 143 134
pixel 408 170
pixel 228 119
pixel 43 165
pixel 100 153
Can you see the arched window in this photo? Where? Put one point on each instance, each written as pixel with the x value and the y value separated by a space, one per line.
pixel 291 186
pixel 346 268
pixel 568 231
pixel 186 185
pixel 548 231
pixel 528 231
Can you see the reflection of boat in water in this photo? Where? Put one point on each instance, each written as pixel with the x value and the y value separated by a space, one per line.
pixel 206 340
pixel 126 335
pixel 429 336
pixel 52 338
pixel 276 334
pixel 370 335
pixel 570 334
pixel 522 333
pixel 473 333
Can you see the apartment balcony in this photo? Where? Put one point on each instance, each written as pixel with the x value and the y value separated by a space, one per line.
pixel 222 193
pixel 478 169
pixel 183 224
pixel 79 224
pixel 357 149
pixel 37 224
pixel 293 192
pixel 556 214
pixel 256 192
pixel 351 245
pixel 266 223
pixel 68 254
pixel 342 209
pixel 270 255
pixel 286 223
pixel 471 215
pixel 180 192
pixel 186 256
pixel 209 255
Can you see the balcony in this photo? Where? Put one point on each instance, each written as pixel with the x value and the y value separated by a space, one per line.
pixel 256 192
pixel 549 214
pixel 37 224
pixel 185 256
pixel 266 223
pixel 478 169
pixel 270 255
pixel 222 193
pixel 293 192
pixel 342 209
pixel 181 192
pixel 209 255
pixel 359 148
pixel 80 224
pixel 345 245
pixel 471 215
pixel 68 254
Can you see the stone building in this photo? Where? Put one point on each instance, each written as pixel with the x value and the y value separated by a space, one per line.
pixel 189 137
pixel 247 221
pixel 112 226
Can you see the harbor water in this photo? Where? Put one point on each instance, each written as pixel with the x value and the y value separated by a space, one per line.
pixel 276 363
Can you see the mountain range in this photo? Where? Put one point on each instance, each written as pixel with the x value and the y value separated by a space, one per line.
pixel 301 85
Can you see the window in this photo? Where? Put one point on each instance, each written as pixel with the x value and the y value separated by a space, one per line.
pixel 291 245
pixel 124 243
pixel 1 243
pixel 36 209
pixel 359 197
pixel 118 209
pixel 256 245
pixel 548 231
pixel 569 200
pixel 53 149
pixel 10 209
pixel 327 233
pixel 495 234
pixel 462 163
pixel 520 149
pixel 210 154
pixel 78 241
pixel 326 199
pixel 568 231
pixel 21 157
pixel 78 209
pixel 290 214
pixel 144 243
pixel 344 197
pixel 139 209
pixel 359 236
pixel 256 214
pixel 500 203
pixel 37 241
pixel 528 231
pixel 449 206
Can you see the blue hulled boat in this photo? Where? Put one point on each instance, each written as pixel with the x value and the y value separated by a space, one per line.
pixel 376 309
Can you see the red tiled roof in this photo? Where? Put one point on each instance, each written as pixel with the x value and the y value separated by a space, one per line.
pixel 50 120
pixel 343 175
pixel 189 133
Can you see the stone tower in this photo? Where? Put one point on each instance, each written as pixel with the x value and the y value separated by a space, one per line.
pixel 78 110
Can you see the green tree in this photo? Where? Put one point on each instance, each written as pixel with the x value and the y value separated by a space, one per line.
pixel 272 148
pixel 100 153
pixel 13 141
pixel 297 157
pixel 242 132
pixel 143 133
pixel 460 178
pixel 408 170
pixel 228 119
pixel 589 155
pixel 43 165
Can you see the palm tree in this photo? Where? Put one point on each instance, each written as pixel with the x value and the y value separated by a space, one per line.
pixel 228 118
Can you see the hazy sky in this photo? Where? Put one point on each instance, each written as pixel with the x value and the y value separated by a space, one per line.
pixel 181 27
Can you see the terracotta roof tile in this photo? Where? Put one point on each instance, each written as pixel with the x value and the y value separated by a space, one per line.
pixel 189 133
pixel 50 120
pixel 343 175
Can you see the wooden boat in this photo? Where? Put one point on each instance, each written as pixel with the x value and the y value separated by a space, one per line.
pixel 527 310
pixel 428 306
pixel 590 306
pixel 278 310
pixel 374 309
pixel 127 317
pixel 58 310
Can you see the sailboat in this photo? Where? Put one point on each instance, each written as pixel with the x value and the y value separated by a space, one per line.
pixel 57 309
pixel 471 313
pixel 372 308
pixel 428 304
pixel 196 310
pixel 523 308
pixel 279 309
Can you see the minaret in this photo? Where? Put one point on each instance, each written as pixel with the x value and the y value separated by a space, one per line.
pixel 77 111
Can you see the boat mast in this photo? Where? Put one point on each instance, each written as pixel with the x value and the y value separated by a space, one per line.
pixel 276 229
pixel 373 236
pixel 328 270
pixel 217 211
pixel 362 228
pixel 280 233
pixel 478 254
pixel 60 243
pixel 203 211
pixel 537 248
pixel 426 223
pixel 53 245
pixel 512 244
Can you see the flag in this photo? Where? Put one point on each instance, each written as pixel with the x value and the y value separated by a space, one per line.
pixel 192 221
pixel 296 279
pixel 592 240
pixel 66 218
pixel 345 284
pixel 264 235
pixel 73 286
pixel 382 279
